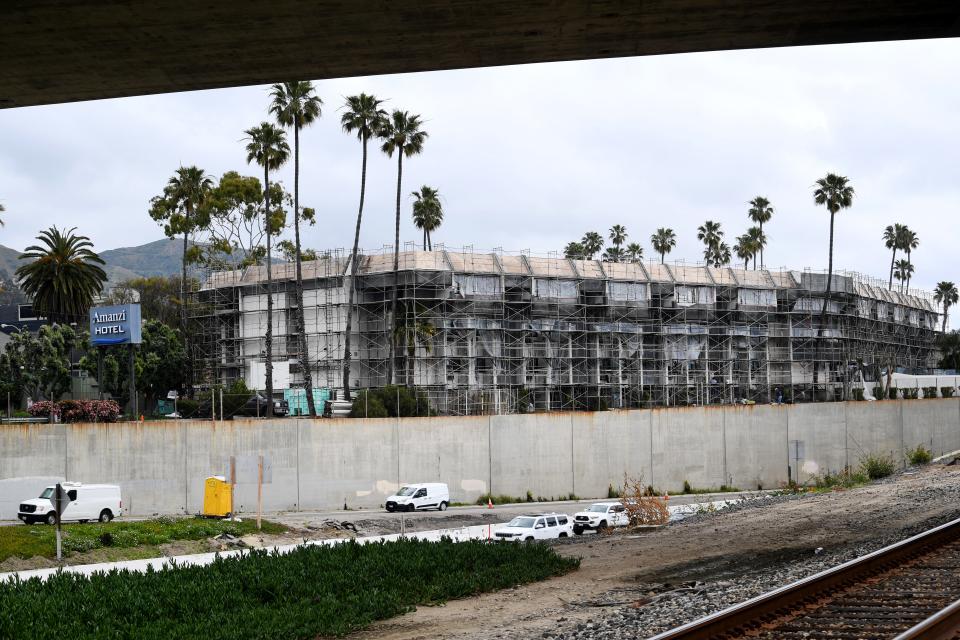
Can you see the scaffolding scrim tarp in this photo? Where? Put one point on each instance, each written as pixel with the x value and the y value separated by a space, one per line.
pixel 546 289
pixel 757 297
pixel 684 347
pixel 687 295
pixel 472 285
pixel 627 291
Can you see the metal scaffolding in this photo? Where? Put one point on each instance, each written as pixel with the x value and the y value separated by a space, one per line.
pixel 500 332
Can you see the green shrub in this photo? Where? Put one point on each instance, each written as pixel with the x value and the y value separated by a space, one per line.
pixel 188 407
pixel 878 393
pixel 876 466
pixel 841 480
pixel 892 393
pixel 946 392
pixel 686 487
pixel 909 394
pixel 612 493
pixel 311 591
pixel 529 496
pixel 502 499
pixel 929 392
pixel 390 402
pixel 920 455
pixel 857 394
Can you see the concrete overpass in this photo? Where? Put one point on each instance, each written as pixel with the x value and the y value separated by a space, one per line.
pixel 66 50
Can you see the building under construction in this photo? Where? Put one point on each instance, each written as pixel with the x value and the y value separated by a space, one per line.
pixel 499 332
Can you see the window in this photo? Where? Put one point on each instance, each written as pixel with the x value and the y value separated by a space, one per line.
pixel 562 520
pixel 72 494
pixel 551 521
pixel 25 312
pixel 619 509
pixel 421 494
pixel 539 524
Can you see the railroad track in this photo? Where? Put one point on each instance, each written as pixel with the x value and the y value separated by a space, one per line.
pixel 906 591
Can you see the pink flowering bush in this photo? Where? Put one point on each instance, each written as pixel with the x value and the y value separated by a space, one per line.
pixel 78 410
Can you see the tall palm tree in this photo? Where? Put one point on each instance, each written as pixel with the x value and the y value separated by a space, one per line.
pixel 364 117
pixel 411 333
pixel 758 241
pixel 618 235
pixel 592 243
pixel 710 234
pixel 613 254
pixel 835 193
pixel 402 134
pixel 64 275
pixel 1 211
pixel 744 249
pixel 427 213
pixel 663 241
pixel 296 104
pixel 902 272
pixel 947 295
pixel 910 242
pixel 760 211
pixel 720 255
pixel 634 252
pixel 267 146
pixel 893 240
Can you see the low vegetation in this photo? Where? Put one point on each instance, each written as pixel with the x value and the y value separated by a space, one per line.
pixel 876 466
pixel 688 490
pixel 505 499
pixel 21 541
pixel 841 480
pixel 920 455
pixel 311 591
pixel 641 507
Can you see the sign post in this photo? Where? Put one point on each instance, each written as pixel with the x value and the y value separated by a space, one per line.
pixel 59 500
pixel 116 325
pixel 259 490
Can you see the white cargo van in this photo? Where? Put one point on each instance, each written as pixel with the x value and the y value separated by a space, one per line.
pixel 87 502
pixel 428 495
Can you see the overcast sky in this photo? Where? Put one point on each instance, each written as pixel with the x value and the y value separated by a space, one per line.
pixel 531 157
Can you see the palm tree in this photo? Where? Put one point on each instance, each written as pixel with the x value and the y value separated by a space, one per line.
pixel 401 134
pixel 720 255
pixel 613 254
pixel 835 193
pixel 947 295
pixel 760 211
pixel 710 234
pixel 592 243
pixel 758 240
pixel 295 104
pixel 902 272
pixel 64 275
pixel 910 242
pixel 420 331
pixel 634 252
pixel 744 249
pixel 618 235
pixel 893 240
pixel 663 241
pixel 364 117
pixel 427 213
pixel 268 147
pixel 574 251
pixel 1 211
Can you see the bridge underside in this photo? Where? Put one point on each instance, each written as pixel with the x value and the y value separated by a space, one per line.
pixel 55 51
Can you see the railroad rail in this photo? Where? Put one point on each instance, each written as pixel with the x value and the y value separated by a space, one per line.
pixel 906 591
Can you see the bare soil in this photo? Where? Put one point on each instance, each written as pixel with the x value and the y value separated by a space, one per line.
pixel 630 568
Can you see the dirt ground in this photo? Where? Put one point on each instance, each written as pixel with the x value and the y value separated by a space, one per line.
pixel 630 568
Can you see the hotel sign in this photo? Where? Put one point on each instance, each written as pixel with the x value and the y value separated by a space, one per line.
pixel 118 324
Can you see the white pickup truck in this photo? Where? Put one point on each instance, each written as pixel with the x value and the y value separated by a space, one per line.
pixel 600 516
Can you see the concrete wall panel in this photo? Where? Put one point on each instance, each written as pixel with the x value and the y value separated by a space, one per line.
pixel 442 450
pixel 532 453
pixel 873 428
pixel 821 430
pixel 756 446
pixel 605 446
pixel 687 445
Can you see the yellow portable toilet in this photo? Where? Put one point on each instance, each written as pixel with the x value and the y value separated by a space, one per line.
pixel 217 502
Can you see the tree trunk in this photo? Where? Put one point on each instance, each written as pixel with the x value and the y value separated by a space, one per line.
pixel 826 302
pixel 268 339
pixel 945 308
pixel 893 259
pixel 761 250
pixel 299 312
pixel 392 317
pixel 355 272
pixel 909 273
pixel 183 311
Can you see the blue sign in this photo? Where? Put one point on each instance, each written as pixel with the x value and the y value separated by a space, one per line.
pixel 119 324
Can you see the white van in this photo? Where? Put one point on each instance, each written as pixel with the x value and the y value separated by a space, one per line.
pixel 87 502
pixel 427 495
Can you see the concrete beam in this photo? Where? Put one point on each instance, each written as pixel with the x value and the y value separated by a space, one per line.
pixel 67 50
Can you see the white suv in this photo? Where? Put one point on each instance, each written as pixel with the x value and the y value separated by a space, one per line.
pixel 600 516
pixel 539 526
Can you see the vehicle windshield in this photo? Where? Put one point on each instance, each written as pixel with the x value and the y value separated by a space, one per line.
pixel 599 508
pixel 521 523
pixel 407 491
pixel 47 492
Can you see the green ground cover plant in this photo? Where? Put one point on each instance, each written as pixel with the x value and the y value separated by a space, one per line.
pixel 876 466
pixel 920 455
pixel 311 591
pixel 24 541
pixel 840 480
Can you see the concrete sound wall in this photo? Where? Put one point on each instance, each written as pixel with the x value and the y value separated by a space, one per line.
pixel 324 464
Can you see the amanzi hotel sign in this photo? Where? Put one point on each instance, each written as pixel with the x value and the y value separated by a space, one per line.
pixel 118 324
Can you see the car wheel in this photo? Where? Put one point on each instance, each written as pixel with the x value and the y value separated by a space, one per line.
pixel 602 526
pixel 443 506
pixel 578 531
pixel 563 534
pixel 529 539
pixel 51 518
pixel 105 516
pixel 410 507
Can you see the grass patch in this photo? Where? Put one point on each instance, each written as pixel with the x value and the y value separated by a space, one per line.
pixel 920 455
pixel 688 490
pixel 315 590
pixel 842 480
pixel 40 540
pixel 876 466
pixel 505 499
